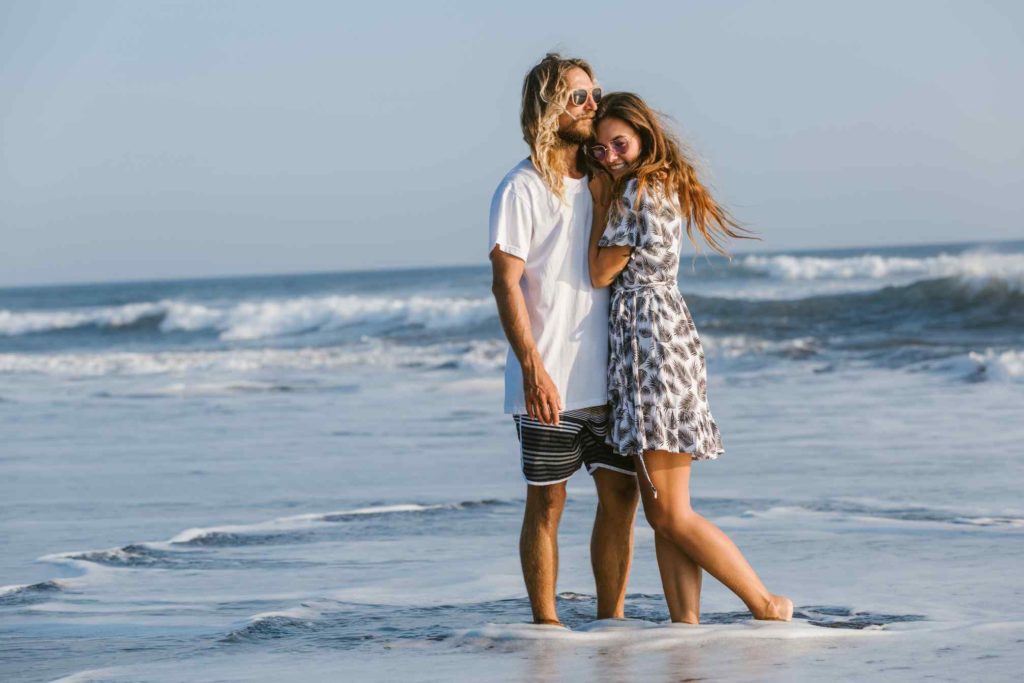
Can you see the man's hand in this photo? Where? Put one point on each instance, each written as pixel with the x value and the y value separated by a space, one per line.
pixel 539 392
pixel 542 400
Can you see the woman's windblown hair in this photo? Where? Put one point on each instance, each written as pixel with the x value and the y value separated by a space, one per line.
pixel 664 164
pixel 545 93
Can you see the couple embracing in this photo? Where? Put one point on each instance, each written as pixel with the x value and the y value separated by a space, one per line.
pixel 605 368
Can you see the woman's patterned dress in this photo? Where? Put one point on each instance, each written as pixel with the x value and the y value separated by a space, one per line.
pixel 657 384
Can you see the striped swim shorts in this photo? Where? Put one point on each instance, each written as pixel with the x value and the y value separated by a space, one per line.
pixel 552 453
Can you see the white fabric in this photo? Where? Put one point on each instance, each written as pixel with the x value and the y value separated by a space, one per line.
pixel 568 317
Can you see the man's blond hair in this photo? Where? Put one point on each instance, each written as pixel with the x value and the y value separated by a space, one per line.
pixel 545 94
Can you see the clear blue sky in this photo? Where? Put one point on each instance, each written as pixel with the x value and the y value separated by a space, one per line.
pixel 155 139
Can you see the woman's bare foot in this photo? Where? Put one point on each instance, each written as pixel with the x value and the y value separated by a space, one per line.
pixel 778 608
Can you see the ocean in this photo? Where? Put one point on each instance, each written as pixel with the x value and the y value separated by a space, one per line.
pixel 309 478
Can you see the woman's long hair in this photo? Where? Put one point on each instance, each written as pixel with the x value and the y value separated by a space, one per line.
pixel 545 93
pixel 663 164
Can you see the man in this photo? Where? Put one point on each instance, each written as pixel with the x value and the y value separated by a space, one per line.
pixel 557 327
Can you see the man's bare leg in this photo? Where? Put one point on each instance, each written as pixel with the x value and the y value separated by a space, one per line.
pixel 611 543
pixel 538 548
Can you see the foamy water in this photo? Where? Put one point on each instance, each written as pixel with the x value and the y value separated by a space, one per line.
pixel 975 264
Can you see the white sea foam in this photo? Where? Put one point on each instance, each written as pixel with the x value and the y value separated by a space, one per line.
pixel 301 613
pixel 91 573
pixel 90 676
pixel 262 319
pixel 883 516
pixel 299 522
pixel 975 267
pixel 739 345
pixel 648 635
pixel 1007 366
pixel 95 563
pixel 277 318
pixel 988 365
pixel 476 355
pixel 215 388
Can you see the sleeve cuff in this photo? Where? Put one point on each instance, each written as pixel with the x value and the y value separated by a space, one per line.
pixel 510 249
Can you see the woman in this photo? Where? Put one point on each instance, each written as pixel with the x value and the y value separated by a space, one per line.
pixel 644 189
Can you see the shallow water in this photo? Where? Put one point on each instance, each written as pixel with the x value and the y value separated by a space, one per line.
pixel 344 502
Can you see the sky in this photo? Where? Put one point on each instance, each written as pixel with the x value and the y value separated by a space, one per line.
pixel 145 140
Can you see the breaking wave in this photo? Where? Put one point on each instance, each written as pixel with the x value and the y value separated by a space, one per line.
pixel 972 275
pixel 27 592
pixel 250 320
pixel 990 365
pixel 971 267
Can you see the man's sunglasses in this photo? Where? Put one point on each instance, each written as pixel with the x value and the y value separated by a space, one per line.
pixel 579 97
pixel 619 145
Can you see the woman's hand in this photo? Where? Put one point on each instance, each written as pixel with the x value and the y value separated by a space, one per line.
pixel 601 190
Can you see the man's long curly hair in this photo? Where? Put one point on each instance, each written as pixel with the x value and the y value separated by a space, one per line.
pixel 664 166
pixel 545 95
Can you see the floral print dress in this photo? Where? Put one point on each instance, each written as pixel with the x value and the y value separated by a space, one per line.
pixel 657 383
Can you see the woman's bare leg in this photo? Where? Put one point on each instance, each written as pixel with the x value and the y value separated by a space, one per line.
pixel 671 517
pixel 680 579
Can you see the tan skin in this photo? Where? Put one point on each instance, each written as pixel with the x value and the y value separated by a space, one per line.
pixel 685 541
pixel 612 538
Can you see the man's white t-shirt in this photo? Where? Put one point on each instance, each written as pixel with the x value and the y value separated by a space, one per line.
pixel 568 317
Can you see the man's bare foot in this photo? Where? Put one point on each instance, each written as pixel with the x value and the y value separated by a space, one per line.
pixel 549 622
pixel 778 608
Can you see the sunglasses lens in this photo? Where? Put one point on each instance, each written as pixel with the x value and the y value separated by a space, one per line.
pixel 578 97
pixel 596 93
pixel 620 145
pixel 598 153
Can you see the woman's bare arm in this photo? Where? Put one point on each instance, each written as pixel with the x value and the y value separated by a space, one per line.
pixel 605 262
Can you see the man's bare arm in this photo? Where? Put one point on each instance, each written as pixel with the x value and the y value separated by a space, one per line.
pixel 542 400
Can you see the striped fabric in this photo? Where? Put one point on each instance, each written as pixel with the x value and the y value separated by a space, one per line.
pixel 551 454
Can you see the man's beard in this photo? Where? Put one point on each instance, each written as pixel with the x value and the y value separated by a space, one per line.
pixel 577 133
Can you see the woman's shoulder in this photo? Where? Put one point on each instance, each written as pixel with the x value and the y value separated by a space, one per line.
pixel 627 196
pixel 655 203
pixel 654 197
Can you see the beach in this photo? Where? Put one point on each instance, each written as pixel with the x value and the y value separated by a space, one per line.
pixel 309 477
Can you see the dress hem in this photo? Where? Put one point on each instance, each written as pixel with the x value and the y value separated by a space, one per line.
pixel 693 456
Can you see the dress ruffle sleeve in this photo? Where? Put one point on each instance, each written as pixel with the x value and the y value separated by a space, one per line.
pixel 631 224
